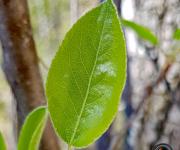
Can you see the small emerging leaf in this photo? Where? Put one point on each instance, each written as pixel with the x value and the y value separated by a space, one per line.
pixel 142 32
pixel 87 76
pixel 32 129
pixel 2 142
pixel 177 34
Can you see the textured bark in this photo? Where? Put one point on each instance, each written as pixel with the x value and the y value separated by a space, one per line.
pixel 157 112
pixel 20 64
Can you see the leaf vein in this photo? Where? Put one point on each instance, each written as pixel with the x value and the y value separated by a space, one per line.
pixel 89 83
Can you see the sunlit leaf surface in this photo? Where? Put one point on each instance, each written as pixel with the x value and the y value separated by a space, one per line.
pixel 87 76
pixel 32 129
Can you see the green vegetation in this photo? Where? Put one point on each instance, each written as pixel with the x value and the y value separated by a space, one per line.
pixel 32 129
pixel 87 76
pixel 141 31
pixel 2 143
pixel 177 34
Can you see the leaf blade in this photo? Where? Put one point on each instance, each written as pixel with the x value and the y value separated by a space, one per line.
pixel 142 32
pixel 32 129
pixel 97 57
pixel 176 34
pixel 2 142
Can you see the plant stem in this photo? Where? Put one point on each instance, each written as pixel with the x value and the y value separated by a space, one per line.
pixel 69 147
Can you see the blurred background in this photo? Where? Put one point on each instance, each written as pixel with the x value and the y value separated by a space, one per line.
pixel 149 112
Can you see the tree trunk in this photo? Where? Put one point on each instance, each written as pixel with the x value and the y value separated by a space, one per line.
pixel 20 64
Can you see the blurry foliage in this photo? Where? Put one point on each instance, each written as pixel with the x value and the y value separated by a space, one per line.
pixel 177 34
pixel 2 105
pixel 49 22
pixel 2 142
pixel 4 96
pixel 143 32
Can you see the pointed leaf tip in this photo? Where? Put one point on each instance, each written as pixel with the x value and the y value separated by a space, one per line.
pixel 110 2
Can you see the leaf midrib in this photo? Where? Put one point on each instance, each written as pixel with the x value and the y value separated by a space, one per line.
pixel 89 83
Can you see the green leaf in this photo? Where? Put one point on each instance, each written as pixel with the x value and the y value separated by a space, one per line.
pixel 87 76
pixel 141 31
pixel 32 129
pixel 177 34
pixel 2 142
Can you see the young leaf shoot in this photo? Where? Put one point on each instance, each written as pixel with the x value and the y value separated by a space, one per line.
pixel 32 129
pixel 143 32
